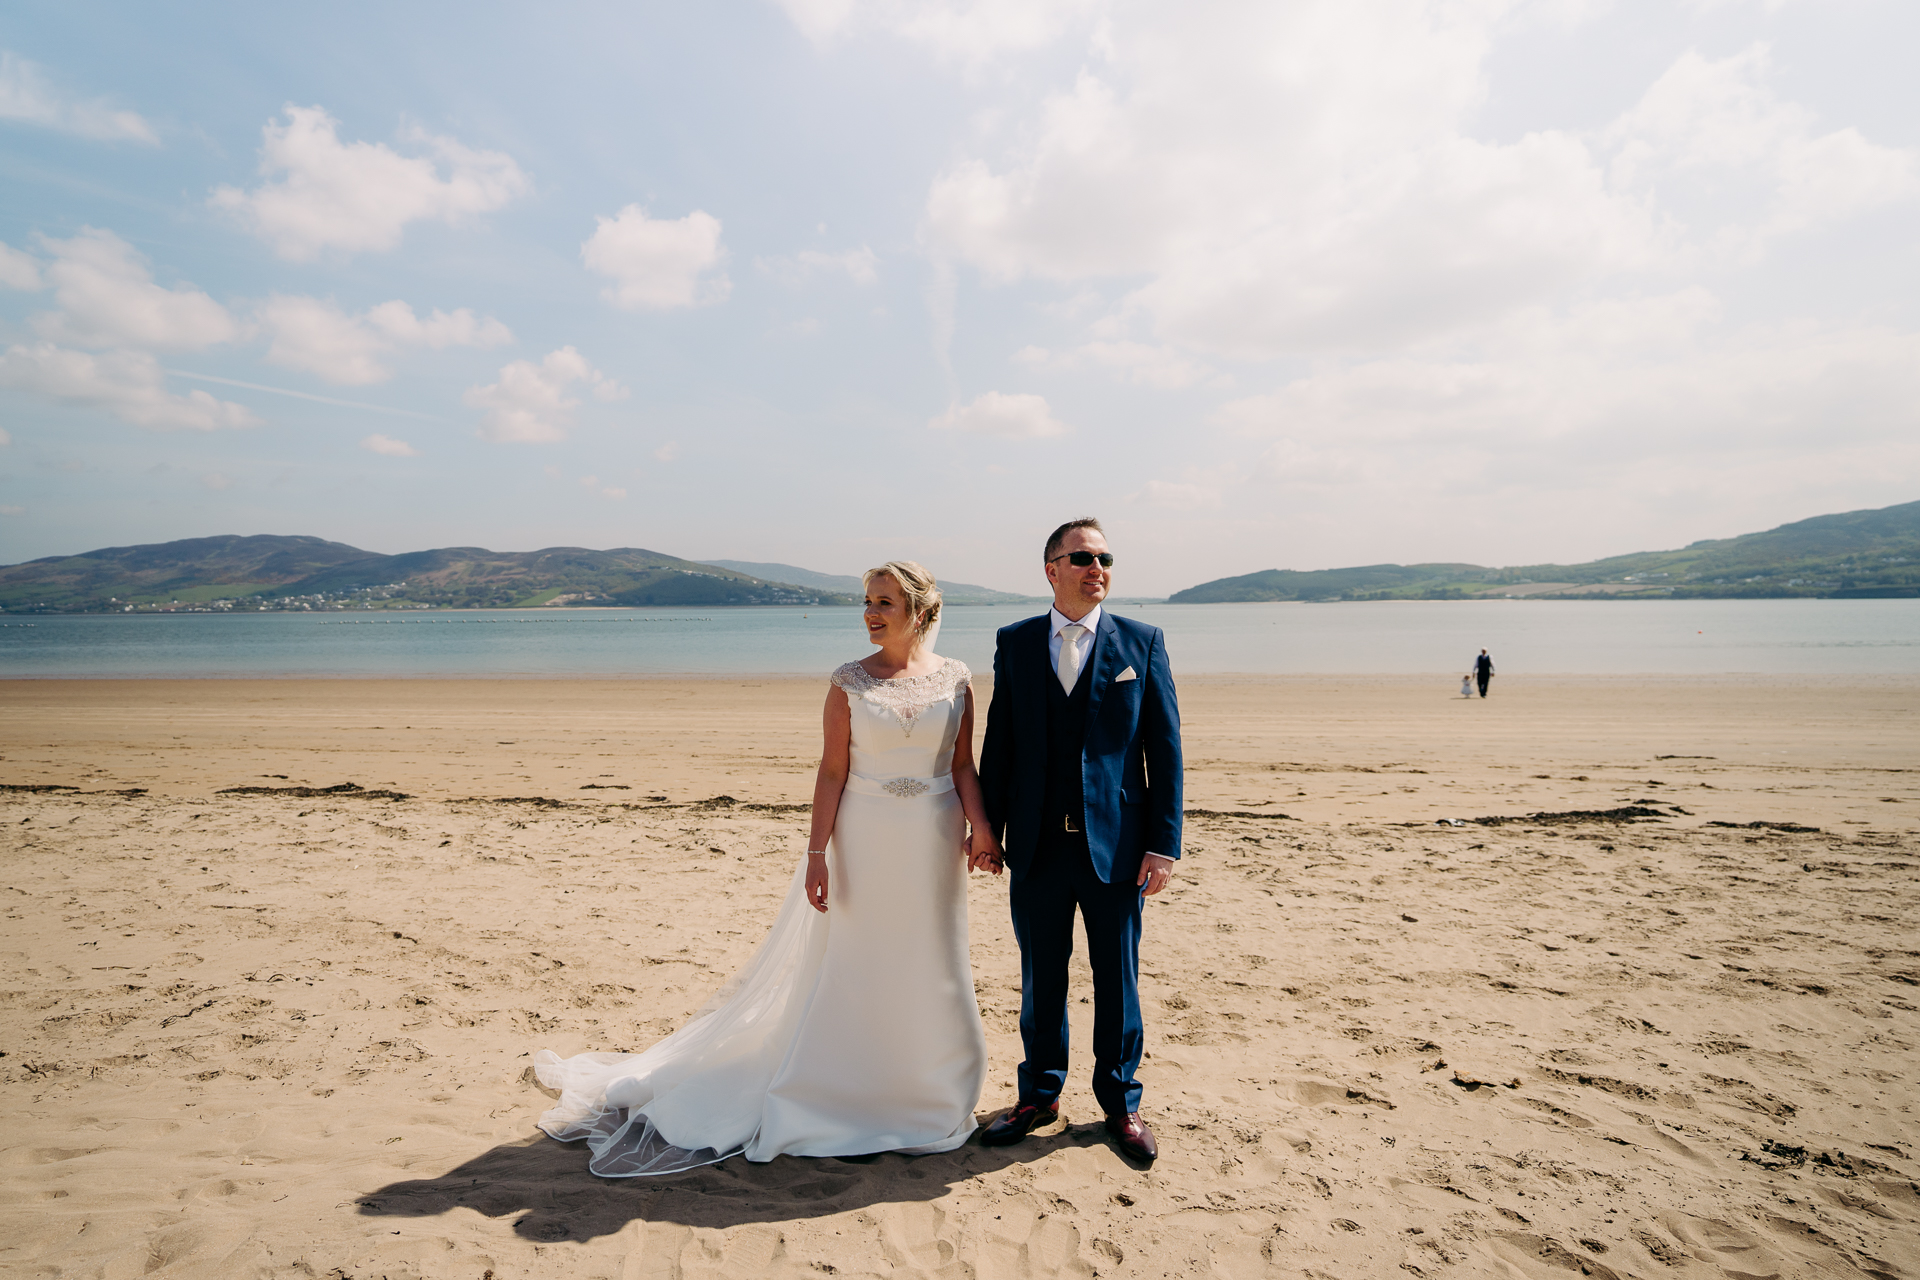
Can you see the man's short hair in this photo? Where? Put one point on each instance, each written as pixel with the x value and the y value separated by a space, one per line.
pixel 1060 535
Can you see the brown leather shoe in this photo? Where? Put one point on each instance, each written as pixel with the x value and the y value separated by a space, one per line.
pixel 1131 1135
pixel 1018 1123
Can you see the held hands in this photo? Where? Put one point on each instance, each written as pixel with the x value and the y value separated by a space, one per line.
pixel 1155 870
pixel 983 852
pixel 817 880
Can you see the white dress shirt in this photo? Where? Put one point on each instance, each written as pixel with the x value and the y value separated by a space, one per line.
pixel 1060 622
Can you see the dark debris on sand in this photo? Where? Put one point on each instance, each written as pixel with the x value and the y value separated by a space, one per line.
pixel 351 790
pixel 1625 813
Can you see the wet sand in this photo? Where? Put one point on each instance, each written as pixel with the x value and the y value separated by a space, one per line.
pixel 274 1034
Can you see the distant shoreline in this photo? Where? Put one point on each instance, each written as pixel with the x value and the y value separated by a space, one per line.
pixel 1677 596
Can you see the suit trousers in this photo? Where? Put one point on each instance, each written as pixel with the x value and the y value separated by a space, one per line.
pixel 1058 879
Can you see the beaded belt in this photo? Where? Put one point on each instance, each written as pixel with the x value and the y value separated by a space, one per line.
pixel 901 788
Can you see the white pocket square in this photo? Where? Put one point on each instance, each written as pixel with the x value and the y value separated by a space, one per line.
pixel 1128 674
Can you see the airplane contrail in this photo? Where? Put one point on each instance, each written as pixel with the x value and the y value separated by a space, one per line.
pixel 305 395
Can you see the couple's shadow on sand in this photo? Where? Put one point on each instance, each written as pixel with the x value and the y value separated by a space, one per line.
pixel 548 1184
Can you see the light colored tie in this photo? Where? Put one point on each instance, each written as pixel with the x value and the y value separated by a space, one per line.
pixel 1070 655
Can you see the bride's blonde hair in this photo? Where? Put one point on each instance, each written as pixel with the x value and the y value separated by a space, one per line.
pixel 921 592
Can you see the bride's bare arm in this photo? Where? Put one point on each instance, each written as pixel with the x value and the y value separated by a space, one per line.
pixel 837 735
pixel 983 851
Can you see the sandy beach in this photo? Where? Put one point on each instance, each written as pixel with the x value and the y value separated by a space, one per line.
pixel 267 1033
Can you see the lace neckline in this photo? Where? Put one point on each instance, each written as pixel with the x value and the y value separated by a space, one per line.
pixel 940 670
pixel 905 696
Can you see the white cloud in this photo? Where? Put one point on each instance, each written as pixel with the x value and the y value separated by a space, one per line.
pixel 28 97
pixel 1014 417
pixel 981 29
pixel 970 31
pixel 1169 496
pixel 18 270
pixel 1715 131
pixel 216 481
pixel 443 329
pixel 1616 402
pixel 13 511
pixel 532 403
pixel 316 335
pixel 128 384
pixel 1493 318
pixel 1282 179
pixel 862 266
pixel 1140 363
pixel 667 452
pixel 818 20
pixel 592 485
pixel 107 298
pixel 360 196
pixel 1289 177
pixel 657 263
pixel 5 439
pixel 388 447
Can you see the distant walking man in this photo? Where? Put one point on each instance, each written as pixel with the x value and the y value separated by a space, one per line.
pixel 1483 672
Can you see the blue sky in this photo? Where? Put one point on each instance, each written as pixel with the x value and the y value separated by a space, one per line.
pixel 837 281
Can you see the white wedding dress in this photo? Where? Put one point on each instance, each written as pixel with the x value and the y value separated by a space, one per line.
pixel 848 1032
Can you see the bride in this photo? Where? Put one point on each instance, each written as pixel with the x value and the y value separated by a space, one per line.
pixel 853 1028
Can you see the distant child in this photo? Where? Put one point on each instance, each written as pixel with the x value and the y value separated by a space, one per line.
pixel 1466 685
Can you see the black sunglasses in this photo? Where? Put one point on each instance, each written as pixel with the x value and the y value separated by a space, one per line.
pixel 1081 559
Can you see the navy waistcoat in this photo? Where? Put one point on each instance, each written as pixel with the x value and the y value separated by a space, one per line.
pixel 1066 740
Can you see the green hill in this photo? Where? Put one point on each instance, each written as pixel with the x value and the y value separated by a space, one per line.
pixel 193 569
pixel 474 577
pixel 846 583
pixel 1853 554
pixel 1362 582
pixel 300 572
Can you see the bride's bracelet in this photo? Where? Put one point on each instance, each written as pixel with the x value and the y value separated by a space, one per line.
pixel 821 852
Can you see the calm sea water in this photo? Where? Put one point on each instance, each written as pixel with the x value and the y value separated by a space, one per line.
pixel 1827 637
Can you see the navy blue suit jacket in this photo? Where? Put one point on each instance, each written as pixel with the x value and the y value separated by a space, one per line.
pixel 1130 761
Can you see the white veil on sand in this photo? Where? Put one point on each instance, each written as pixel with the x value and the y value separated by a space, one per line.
pixel 714 1071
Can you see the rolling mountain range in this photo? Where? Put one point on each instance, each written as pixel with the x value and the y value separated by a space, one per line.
pixel 302 572
pixel 1854 554
pixel 847 584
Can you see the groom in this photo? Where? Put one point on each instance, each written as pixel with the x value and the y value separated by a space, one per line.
pixel 1080 772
